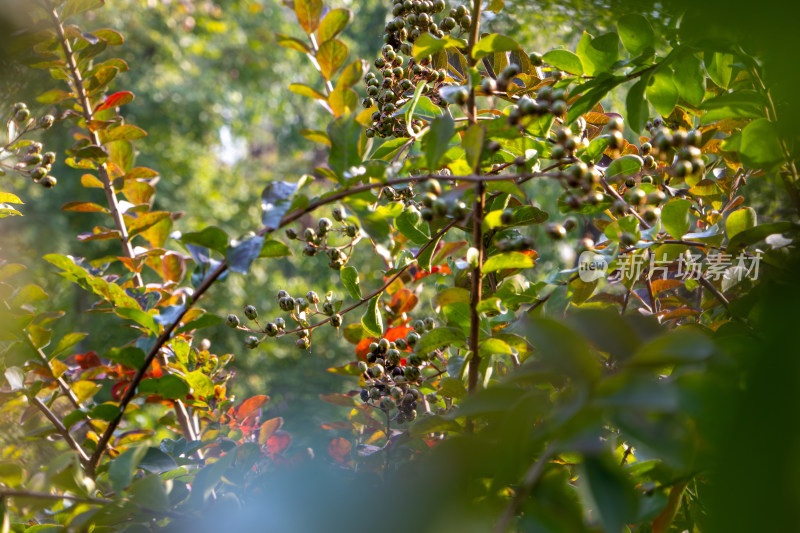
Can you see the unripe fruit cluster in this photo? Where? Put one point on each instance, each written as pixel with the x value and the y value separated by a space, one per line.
pixel 31 161
pixel 317 239
pixel 399 73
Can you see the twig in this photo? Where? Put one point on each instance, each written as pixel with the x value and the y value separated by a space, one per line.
pixel 60 428
pixel 102 169
pixel 529 482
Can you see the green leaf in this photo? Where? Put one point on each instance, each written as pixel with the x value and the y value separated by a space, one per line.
pixel 200 384
pixel 760 145
pixel 74 7
pixel 594 152
pixel 308 13
pixel 428 45
pixel 124 132
pixel 689 78
pixel 612 492
pixel 590 98
pixel 472 142
pixel 439 338
pixel 410 224
pixel 372 319
pixel 437 141
pixel 626 165
pixel 661 92
pixel 121 469
pixel 346 149
pixel 334 23
pixel 628 224
pixel 149 492
pixel 276 199
pixel 597 54
pixel 331 56
pixel 508 260
pixel 636 106
pixel 636 33
pixel 242 254
pixel 564 60
pixel 452 388
pixel 138 316
pixel 739 221
pixel 210 237
pixel 67 341
pixel 424 259
pixel 719 67
pixel 169 386
pixel 675 217
pixel 351 283
pixel 430 423
pixel 753 235
pixel 105 411
pixel 274 248
pixel 492 43
pixel 351 74
pixel 129 356
pixel 291 43
pixel 681 346
pixel 412 105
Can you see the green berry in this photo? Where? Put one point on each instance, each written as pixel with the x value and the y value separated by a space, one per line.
pixel 336 320
pixel 303 343
pixel 429 323
pixel 280 322
pixel 251 342
pixel 232 321
pixel 250 312
pixel 271 329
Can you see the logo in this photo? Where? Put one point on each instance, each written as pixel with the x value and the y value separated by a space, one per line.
pixel 591 266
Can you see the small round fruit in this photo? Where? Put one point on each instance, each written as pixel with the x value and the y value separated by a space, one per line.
pixel 251 342
pixel 251 312
pixel 383 345
pixel 556 231
pixel 429 323
pixel 280 322
pixel 271 329
pixel 507 216
pixel 303 343
pixel 232 321
pixel 48 182
pixel 536 59
pixel 627 239
pixel 412 339
pixel 364 394
pixel 336 320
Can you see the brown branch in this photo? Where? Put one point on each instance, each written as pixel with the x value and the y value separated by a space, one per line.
pixel 162 339
pixel 102 170
pixel 528 483
pixel 61 429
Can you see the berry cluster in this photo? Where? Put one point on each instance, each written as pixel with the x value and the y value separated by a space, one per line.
pixel 30 159
pixel 299 309
pixel 398 80
pixel 548 100
pixel 391 381
pixel 317 240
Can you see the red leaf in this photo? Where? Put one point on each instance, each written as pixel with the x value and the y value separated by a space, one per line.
pixel 362 348
pixel 249 406
pixel 278 442
pixel 115 100
pixel 87 360
pixel 339 448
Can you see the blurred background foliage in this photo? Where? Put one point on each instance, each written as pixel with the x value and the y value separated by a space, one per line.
pixel 210 84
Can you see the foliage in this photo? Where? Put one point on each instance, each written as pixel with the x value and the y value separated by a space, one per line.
pixel 490 386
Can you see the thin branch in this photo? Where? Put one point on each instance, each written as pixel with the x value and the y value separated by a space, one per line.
pixel 63 431
pixel 102 170
pixel 386 284
pixel 528 483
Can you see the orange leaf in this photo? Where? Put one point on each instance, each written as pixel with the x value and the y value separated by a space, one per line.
pixel 337 425
pixel 400 332
pixel 362 348
pixel 338 399
pixel 268 429
pixel 278 442
pixel 661 285
pixel 249 406
pixel 403 301
pixel 339 449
